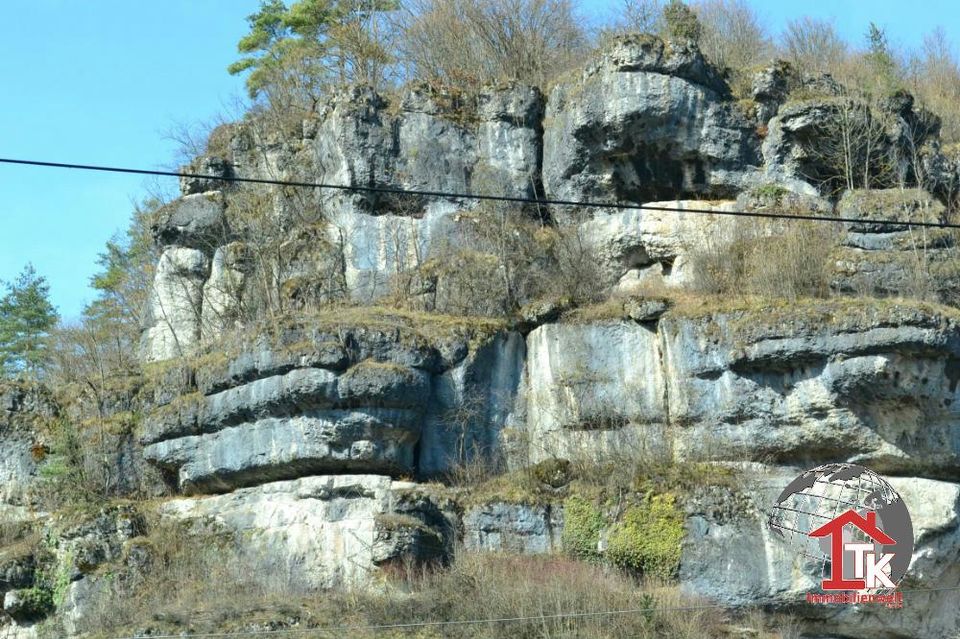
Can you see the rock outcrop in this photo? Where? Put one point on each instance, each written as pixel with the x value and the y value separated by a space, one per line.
pixel 325 531
pixel 646 122
pixel 367 398
pixel 308 442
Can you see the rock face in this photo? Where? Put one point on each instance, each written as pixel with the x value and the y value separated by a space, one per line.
pixel 324 531
pixel 290 438
pixel 651 247
pixel 892 259
pixel 336 400
pixel 505 527
pixel 22 408
pixel 802 140
pixel 873 385
pixel 176 304
pixel 361 141
pixel 646 123
pixel 729 556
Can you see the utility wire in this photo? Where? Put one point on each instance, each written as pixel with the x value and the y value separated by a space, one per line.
pixel 478 196
pixel 465 622
pixel 488 198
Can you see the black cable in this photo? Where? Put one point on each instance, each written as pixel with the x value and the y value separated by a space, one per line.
pixel 478 196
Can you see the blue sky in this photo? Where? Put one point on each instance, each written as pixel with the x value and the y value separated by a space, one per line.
pixel 101 81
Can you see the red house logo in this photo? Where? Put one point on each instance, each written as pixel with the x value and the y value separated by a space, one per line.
pixel 870 568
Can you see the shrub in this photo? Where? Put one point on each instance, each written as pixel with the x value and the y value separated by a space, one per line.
pixel 30 604
pixel 682 22
pixel 582 524
pixel 647 539
pixel 469 43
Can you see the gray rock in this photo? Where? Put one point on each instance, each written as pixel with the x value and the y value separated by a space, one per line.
pixel 24 409
pixel 645 310
pixel 593 389
pixel 637 127
pixel 217 168
pixel 795 143
pixel 193 221
pixel 372 383
pixel 895 259
pixel 828 381
pixel 518 528
pixel 322 531
pixel 175 307
pixel 629 243
pixel 770 87
pixel 729 555
pixel 271 449
pixel 223 293
pixel 471 407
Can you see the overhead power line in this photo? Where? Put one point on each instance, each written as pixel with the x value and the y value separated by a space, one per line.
pixel 481 196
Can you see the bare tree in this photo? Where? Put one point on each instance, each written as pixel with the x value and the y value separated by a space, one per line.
pixel 473 42
pixel 733 35
pixel 813 45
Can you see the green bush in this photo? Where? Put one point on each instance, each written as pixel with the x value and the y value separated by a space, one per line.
pixel 582 523
pixel 682 22
pixel 648 537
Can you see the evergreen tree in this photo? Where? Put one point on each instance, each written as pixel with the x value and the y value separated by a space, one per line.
pixel 302 49
pixel 881 62
pixel 26 319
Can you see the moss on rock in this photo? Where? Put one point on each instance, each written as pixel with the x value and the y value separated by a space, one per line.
pixel 647 539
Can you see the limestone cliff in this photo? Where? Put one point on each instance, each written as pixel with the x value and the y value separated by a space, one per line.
pixel 324 442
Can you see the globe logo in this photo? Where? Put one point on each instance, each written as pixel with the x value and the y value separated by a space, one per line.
pixel 850 523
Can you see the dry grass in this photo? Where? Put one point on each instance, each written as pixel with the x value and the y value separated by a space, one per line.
pixel 187 591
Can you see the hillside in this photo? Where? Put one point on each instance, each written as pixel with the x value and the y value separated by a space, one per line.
pixel 357 408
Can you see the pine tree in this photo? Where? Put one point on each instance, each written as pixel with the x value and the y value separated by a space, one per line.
pixel 302 49
pixel 26 319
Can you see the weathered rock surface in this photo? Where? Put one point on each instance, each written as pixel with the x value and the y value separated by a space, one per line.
pixel 206 173
pixel 871 384
pixel 223 292
pixel 802 141
pixel 651 247
pixel 833 381
pixel 175 308
pixel 729 555
pixel 193 221
pixel 324 531
pixel 893 259
pixel 505 527
pixel 357 400
pixel 593 389
pixel 23 407
pixel 280 419
pixel 646 123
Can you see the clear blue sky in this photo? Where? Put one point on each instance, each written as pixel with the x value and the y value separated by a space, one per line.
pixel 100 81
